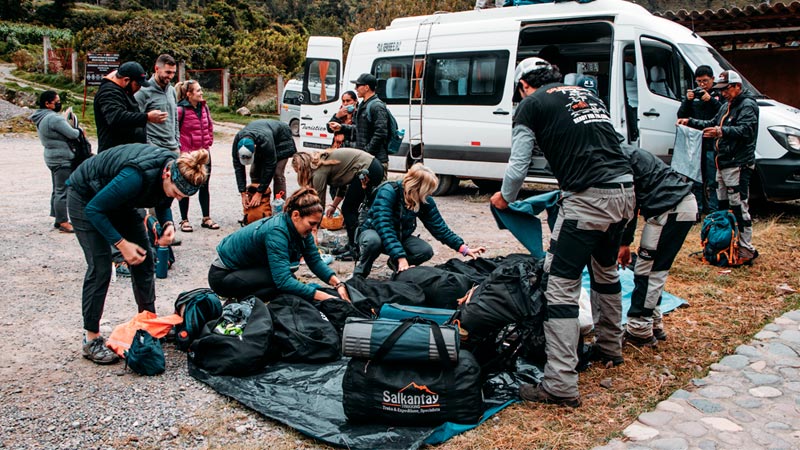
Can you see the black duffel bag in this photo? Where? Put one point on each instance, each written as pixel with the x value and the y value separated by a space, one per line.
pixel 302 334
pixel 421 394
pixel 442 288
pixel 236 353
pixel 369 295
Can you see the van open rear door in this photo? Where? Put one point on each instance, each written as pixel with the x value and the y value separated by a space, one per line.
pixel 322 86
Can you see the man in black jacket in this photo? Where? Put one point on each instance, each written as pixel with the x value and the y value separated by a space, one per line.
pixel 669 208
pixel 703 103
pixel 116 112
pixel 735 130
pixel 265 145
pixel 370 122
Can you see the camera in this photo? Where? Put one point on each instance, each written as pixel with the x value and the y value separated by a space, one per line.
pixel 699 92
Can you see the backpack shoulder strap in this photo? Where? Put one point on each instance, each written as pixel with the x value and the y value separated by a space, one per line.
pixel 181 113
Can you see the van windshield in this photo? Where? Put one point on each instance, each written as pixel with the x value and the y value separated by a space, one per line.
pixel 700 54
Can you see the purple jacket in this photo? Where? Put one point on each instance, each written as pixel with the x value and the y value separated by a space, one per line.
pixel 197 129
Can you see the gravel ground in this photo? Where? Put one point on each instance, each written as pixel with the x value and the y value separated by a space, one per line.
pixel 50 397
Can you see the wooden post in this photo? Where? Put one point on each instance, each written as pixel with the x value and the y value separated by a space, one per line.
pixel 181 70
pixel 74 66
pixel 226 86
pixel 280 93
pixel 46 52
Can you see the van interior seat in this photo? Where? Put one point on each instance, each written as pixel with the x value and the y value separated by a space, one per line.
pixel 396 87
pixel 658 82
pixel 570 79
pixel 443 87
pixel 461 86
pixel 630 85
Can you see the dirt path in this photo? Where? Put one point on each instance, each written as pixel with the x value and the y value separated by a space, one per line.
pixel 50 397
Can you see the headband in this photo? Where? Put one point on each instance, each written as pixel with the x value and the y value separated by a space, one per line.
pixel 182 183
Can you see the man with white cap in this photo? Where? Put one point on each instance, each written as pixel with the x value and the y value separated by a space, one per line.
pixel 574 131
pixel 265 145
pixel 735 129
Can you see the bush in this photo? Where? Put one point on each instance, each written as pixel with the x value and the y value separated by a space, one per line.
pixel 23 60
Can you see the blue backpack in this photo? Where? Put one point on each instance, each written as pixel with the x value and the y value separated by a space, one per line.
pixel 395 135
pixel 720 238
pixel 197 307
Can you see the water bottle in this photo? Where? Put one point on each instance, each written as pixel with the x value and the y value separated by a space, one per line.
pixel 162 261
pixel 277 204
pixel 401 133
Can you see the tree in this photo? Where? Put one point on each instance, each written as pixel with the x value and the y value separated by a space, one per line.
pixel 16 9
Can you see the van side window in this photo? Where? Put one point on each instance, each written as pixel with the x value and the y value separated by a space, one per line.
pixel 291 97
pixel 668 75
pixel 394 76
pixel 321 82
pixel 466 78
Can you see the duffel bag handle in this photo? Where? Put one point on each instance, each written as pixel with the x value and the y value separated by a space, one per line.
pixel 405 324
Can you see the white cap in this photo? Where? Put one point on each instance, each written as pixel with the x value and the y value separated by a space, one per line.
pixel 727 77
pixel 526 66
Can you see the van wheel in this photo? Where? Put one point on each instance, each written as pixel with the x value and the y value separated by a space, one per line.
pixel 294 125
pixel 445 185
pixel 487 186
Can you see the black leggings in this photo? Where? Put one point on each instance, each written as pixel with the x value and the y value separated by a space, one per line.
pixel 355 197
pixel 202 194
pixel 241 283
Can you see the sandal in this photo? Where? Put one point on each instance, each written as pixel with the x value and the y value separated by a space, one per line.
pixel 186 227
pixel 210 224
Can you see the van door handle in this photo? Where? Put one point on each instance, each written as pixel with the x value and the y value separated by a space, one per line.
pixel 307 118
pixel 500 112
pixel 652 113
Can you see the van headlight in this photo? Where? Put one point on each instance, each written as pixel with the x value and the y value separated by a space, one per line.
pixel 788 137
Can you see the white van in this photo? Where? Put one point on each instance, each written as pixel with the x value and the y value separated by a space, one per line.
pixel 448 80
pixel 291 99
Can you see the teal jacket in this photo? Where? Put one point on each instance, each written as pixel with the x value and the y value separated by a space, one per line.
pixel 394 223
pixel 273 243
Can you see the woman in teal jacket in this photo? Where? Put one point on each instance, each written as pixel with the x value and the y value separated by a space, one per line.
pixel 257 259
pixel 392 219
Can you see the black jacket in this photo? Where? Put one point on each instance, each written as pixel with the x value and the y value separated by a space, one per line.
pixel 371 128
pixel 698 109
pixel 274 142
pixel 739 122
pixel 117 117
pixel 658 188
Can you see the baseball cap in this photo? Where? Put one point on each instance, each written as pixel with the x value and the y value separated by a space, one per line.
pixel 135 72
pixel 587 82
pixel 246 149
pixel 523 68
pixel 727 77
pixel 367 79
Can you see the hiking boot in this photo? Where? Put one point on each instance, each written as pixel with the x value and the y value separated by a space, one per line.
pixel 606 361
pixel 97 352
pixel 749 261
pixel 660 334
pixel 341 250
pixel 637 341
pixel 349 255
pixel 537 394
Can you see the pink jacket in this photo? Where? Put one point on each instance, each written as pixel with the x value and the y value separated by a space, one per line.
pixel 196 132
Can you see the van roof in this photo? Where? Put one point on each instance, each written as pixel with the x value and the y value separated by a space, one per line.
pixel 625 12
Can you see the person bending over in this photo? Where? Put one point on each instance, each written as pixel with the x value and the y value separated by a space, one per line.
pixel 105 199
pixel 257 259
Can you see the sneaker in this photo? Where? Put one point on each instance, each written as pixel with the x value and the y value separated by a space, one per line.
pixel 606 361
pixel 340 250
pixel 531 393
pixel 97 352
pixel 349 255
pixel 123 270
pixel 660 334
pixel 749 261
pixel 637 341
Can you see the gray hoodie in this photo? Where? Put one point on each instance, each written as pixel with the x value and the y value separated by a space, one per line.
pixel 53 133
pixel 166 134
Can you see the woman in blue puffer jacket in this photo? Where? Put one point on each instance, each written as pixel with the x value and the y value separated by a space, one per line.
pixel 53 133
pixel 392 219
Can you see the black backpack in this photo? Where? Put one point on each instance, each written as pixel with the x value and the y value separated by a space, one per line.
pixel 303 334
pixel 145 357
pixel 243 353
pixel 395 137
pixel 80 146
pixel 442 288
pixel 197 307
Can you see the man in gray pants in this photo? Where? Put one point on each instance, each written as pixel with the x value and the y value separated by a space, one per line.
pixel 574 131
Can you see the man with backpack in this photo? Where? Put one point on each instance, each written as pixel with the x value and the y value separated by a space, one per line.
pixel 370 122
pixel 735 130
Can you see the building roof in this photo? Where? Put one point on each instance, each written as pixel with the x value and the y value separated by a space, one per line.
pixel 777 23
